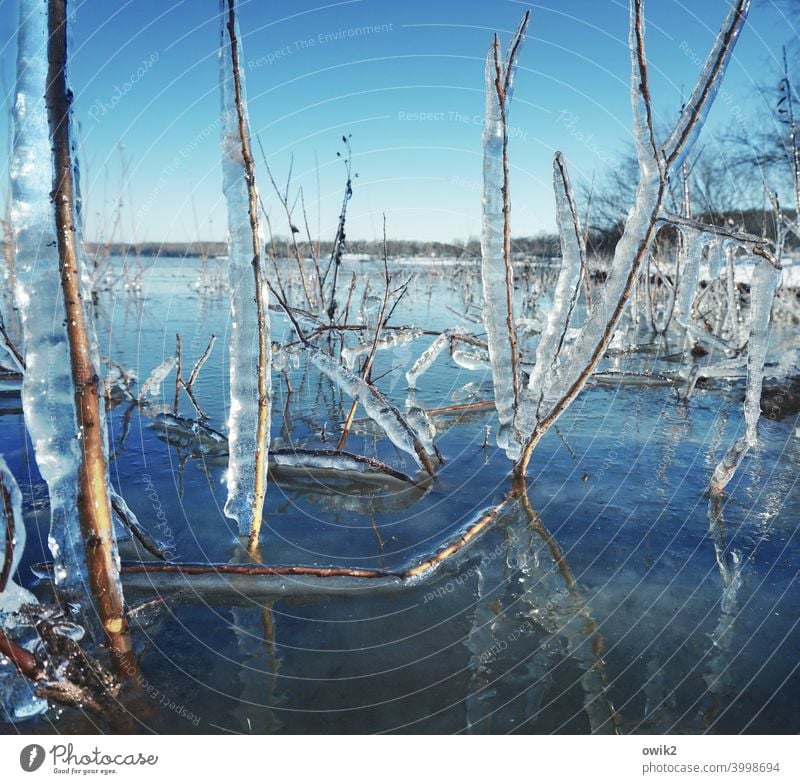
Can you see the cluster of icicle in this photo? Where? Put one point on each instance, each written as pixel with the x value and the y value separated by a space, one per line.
pixel 243 414
pixel 567 353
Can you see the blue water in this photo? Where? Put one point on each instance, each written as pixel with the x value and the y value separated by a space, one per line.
pixel 623 586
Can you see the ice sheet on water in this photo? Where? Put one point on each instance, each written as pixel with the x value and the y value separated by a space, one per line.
pixel 244 397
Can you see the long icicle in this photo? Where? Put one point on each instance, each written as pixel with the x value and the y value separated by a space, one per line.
pixel 248 422
pixel 496 268
pixel 762 292
pixel 551 345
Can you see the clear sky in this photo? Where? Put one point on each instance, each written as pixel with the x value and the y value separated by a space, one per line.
pixel 404 77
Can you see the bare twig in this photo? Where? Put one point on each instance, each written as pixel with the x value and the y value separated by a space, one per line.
pixel 365 372
pixel 8 516
pixel 93 504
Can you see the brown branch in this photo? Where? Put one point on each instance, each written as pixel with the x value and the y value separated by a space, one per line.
pixel 260 570
pixel 365 372
pixel 702 93
pixel 8 514
pixel 262 426
pixel 92 491
pixel 23 660
pixel 8 344
pixel 501 80
pixel 757 245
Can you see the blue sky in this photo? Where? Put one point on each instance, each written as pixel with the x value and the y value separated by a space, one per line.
pixel 404 78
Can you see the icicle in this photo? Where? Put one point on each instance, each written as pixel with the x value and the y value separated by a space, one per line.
pixel 762 292
pixel 428 357
pixel 377 408
pixel 47 392
pixel 693 243
pixel 243 414
pixel 390 340
pixel 548 353
pixel 732 318
pixel 717 253
pixel 496 271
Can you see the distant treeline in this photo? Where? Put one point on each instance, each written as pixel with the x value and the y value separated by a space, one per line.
pixel 600 242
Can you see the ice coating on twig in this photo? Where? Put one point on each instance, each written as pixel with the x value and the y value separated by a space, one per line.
pixel 12 543
pixel 244 396
pixel 150 389
pixel 47 392
pixel 656 165
pixel 392 339
pixel 551 344
pixel 762 292
pixel 693 243
pixel 342 463
pixel 428 357
pixel 497 272
pixel 377 408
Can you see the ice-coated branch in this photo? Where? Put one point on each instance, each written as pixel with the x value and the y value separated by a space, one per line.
pixel 643 134
pixel 762 292
pixel 94 507
pixel 634 245
pixel 497 273
pixel 248 421
pixel 13 541
pixel 8 345
pixel 696 109
pixel 573 251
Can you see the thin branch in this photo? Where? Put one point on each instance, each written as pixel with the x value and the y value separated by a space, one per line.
pixel 92 492
pixel 262 425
